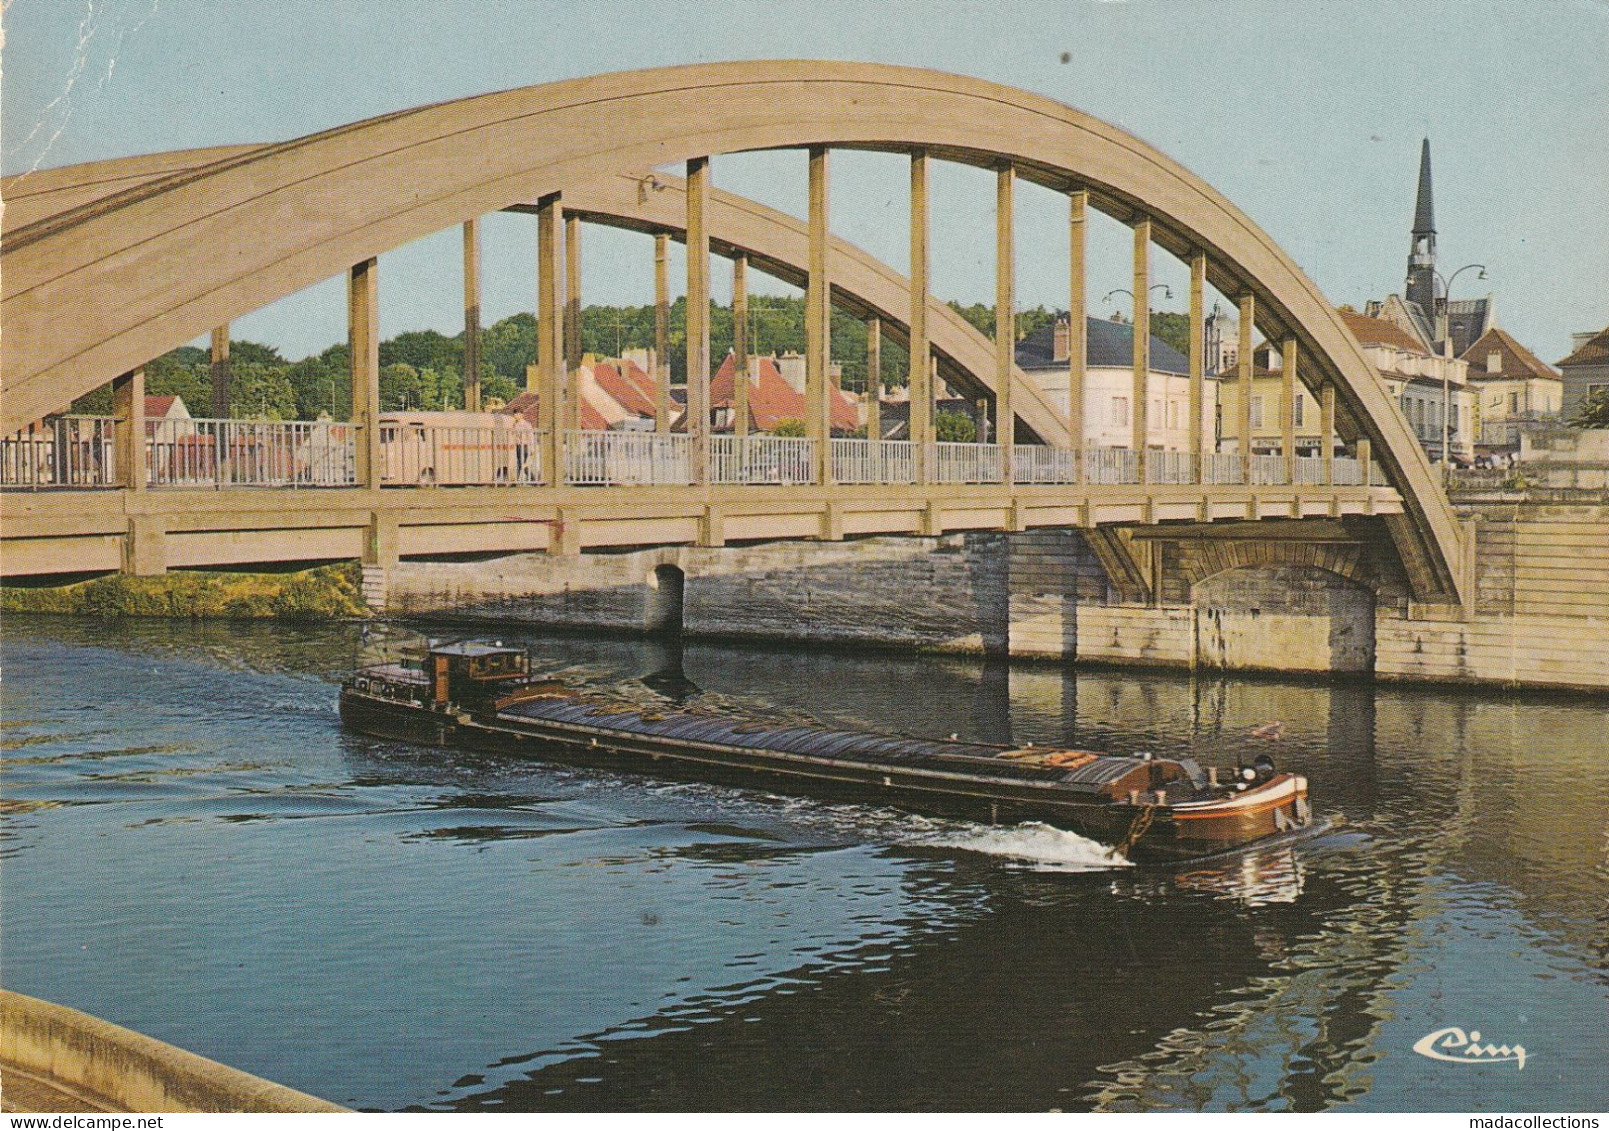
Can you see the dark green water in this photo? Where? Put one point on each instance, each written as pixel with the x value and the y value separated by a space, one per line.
pixel 192 847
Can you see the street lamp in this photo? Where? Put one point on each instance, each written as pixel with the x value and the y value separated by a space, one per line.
pixel 1444 325
pixel 1167 291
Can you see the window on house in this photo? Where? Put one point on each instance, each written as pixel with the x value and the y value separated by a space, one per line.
pixel 1494 362
pixel 1514 402
pixel 1257 412
pixel 1120 411
pixel 1301 405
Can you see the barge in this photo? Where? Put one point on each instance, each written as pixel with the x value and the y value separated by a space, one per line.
pixel 1150 809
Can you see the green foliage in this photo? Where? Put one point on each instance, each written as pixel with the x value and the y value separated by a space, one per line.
pixel 954 428
pixel 1593 411
pixel 423 369
pixel 326 593
pixel 1173 328
pixel 788 426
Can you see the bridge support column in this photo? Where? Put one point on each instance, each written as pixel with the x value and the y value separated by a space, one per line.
pixel 1248 318
pixel 543 378
pixel 564 533
pixel 832 523
pixel 1077 324
pixel 1142 341
pixel 921 388
pixel 740 345
pixel 662 333
pixel 1198 364
pixel 145 550
pixel 698 315
pixel 818 323
pixel 1005 317
pixel 128 433
pixel 380 544
pixel 1326 429
pixel 712 527
pixel 874 382
pixel 1287 408
pixel 572 323
pixel 220 373
pixel 472 315
pixel 363 340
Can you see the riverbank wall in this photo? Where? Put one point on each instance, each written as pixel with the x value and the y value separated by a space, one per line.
pixel 59 1059
pixel 1327 599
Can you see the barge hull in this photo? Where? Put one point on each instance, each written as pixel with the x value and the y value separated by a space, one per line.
pixel 972 795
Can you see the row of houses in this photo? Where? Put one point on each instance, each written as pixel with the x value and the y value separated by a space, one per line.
pixel 1484 397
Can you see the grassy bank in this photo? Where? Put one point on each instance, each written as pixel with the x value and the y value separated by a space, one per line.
pixel 327 593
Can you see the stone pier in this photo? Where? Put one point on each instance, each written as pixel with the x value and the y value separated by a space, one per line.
pixel 1328 597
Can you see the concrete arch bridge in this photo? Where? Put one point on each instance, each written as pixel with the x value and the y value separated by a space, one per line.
pixel 111 264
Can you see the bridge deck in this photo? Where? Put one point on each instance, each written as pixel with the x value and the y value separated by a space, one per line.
pixel 57 532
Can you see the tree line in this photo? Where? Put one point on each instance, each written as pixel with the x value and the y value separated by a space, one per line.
pixel 423 369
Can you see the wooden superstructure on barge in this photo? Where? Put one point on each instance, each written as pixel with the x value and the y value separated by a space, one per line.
pixel 1151 809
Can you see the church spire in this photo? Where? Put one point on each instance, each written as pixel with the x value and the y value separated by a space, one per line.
pixel 1424 215
pixel 1421 287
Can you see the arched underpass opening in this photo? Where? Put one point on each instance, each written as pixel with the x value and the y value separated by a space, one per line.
pixel 1285 618
pixel 663 614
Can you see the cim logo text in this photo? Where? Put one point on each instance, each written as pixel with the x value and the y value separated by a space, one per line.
pixel 1454 1045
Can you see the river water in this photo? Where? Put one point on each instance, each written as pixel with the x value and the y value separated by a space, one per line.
pixel 193 848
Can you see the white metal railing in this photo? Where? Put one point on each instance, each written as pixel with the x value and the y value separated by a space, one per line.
pixel 898 461
pixel 1377 474
pixel 762 459
pixel 1221 469
pixel 65 451
pixel 250 453
pixel 414 454
pixel 1309 471
pixel 627 459
pixel 1036 463
pixel 1111 465
pixel 873 461
pixel 1346 472
pixel 966 463
pixel 1169 467
pixel 1269 471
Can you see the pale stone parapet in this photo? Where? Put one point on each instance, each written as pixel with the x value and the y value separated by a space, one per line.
pixel 109 1068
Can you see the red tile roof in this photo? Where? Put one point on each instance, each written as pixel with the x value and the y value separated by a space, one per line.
pixel 772 399
pixel 1379 332
pixel 522 405
pixel 158 406
pixel 1517 360
pixel 639 377
pixel 526 405
pixel 625 392
pixel 1595 352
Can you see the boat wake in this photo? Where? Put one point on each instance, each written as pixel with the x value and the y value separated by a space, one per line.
pixel 1032 845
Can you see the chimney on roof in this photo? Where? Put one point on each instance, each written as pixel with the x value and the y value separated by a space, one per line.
pixel 1062 345
pixel 792 367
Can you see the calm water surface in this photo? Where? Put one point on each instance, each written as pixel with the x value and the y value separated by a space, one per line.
pixel 192 847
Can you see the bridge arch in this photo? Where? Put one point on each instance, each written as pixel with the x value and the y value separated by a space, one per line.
pixel 171 256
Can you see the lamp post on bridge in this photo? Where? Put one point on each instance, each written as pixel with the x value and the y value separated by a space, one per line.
pixel 1142 380
pixel 1444 326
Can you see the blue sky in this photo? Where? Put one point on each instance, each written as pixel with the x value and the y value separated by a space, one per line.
pixel 1307 114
